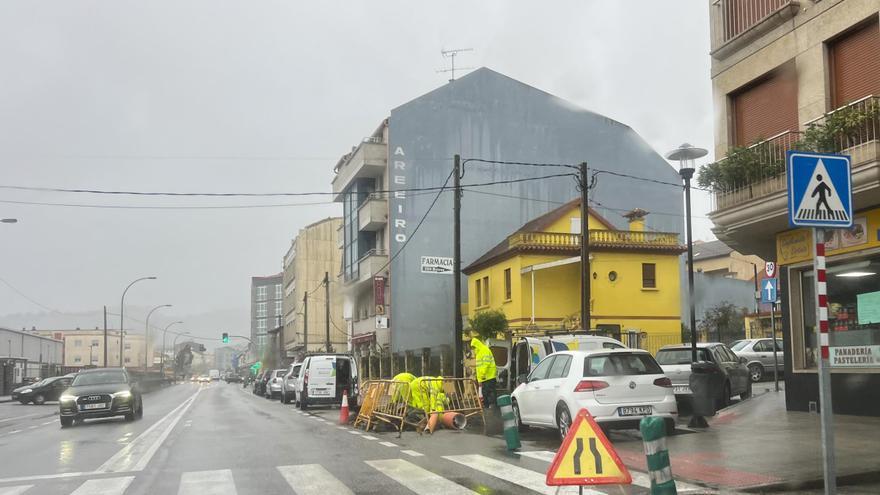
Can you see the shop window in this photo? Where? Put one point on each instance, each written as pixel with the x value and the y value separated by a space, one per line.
pixel 507 282
pixel 649 276
pixel 853 289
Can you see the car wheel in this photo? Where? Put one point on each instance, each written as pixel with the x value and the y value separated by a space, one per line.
pixel 756 372
pixel 66 421
pixel 563 420
pixel 24 402
pixel 129 416
pixel 304 402
pixel 519 424
pixel 747 393
pixel 724 400
pixel 39 399
pixel 140 410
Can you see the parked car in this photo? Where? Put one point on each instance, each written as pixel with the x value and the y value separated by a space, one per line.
pixel 261 382
pixel 759 356
pixel 323 377
pixel 40 392
pixel 273 384
pixel 288 383
pixel 676 363
pixel 517 358
pixel 618 387
pixel 232 378
pixel 204 379
pixel 101 393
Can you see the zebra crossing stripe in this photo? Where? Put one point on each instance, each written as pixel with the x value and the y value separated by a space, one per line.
pixel 417 479
pixel 525 478
pixel 104 486
pixel 312 479
pixel 15 490
pixel 217 482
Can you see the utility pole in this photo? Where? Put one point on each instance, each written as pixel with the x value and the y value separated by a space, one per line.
pixel 458 354
pixel 585 247
pixel 327 312
pixel 105 336
pixel 306 321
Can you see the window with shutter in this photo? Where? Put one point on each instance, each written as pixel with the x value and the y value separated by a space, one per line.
pixel 766 107
pixel 855 64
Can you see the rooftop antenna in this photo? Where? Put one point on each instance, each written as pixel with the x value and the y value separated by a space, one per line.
pixel 450 54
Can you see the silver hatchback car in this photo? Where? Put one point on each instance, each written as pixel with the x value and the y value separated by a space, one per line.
pixel 759 354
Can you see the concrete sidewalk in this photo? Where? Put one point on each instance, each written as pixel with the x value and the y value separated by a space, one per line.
pixel 5 398
pixel 757 445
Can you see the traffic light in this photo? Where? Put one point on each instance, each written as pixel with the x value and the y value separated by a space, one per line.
pixel 225 338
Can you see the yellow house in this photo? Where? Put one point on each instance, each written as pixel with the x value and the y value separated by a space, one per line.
pixel 533 276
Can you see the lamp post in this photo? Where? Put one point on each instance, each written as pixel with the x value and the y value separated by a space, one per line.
pixel 165 332
pixel 686 154
pixel 122 316
pixel 147 337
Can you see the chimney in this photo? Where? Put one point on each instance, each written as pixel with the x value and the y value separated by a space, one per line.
pixel 636 219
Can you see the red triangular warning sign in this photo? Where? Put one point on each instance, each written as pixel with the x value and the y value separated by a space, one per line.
pixel 586 457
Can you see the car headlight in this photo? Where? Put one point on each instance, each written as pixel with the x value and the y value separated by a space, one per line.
pixel 67 398
pixel 122 395
pixel 26 391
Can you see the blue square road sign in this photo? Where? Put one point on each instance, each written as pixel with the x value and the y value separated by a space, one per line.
pixel 768 290
pixel 819 190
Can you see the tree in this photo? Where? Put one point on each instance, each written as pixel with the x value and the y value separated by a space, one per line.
pixel 488 324
pixel 723 322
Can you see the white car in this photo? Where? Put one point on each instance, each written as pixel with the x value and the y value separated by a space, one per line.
pixel 618 387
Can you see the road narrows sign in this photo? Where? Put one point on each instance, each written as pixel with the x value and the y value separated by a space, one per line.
pixel 586 457
pixel 819 190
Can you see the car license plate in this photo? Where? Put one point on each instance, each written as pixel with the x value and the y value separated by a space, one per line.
pixel 681 390
pixel 100 405
pixel 634 411
pixel 320 391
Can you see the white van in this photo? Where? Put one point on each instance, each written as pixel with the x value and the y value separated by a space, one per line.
pixel 518 358
pixel 323 378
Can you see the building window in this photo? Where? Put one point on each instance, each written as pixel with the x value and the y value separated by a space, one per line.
pixel 485 291
pixel 262 309
pixel 77 343
pixel 854 71
pixel 261 325
pixel 278 307
pixel 95 342
pixel 853 312
pixel 649 276
pixel 261 293
pixel 127 359
pixel 766 107
pixel 77 359
pixel 278 292
pixel 127 346
pixel 478 291
pixel 507 289
pixel 277 321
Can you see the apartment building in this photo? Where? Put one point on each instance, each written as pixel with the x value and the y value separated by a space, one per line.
pixel 266 309
pixel 85 347
pixel 803 75
pixel 312 254
pixel 397 283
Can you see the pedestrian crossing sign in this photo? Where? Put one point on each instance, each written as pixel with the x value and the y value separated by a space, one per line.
pixel 586 457
pixel 819 190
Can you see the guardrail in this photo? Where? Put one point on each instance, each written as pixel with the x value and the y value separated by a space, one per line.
pixel 738 16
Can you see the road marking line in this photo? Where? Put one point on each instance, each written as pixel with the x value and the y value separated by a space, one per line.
pixel 48 422
pixel 32 427
pixel 312 479
pixel 412 453
pixel 13 432
pixel 525 478
pixel 388 444
pixel 219 482
pixel 541 455
pixel 105 486
pixel 418 479
pixel 127 459
pixel 342 427
pixel 356 432
pixel 369 437
pixel 18 417
pixel 15 490
pixel 38 477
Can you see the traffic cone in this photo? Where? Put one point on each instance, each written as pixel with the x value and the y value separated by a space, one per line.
pixel 432 422
pixel 343 411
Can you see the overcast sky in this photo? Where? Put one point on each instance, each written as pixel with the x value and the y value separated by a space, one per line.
pixel 265 96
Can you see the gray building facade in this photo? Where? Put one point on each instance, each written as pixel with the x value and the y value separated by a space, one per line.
pixel 490 116
pixel 266 311
pixel 25 355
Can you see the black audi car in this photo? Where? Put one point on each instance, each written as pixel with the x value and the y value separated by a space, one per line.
pixel 101 393
pixel 43 390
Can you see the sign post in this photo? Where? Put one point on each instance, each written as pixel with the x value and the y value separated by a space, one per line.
pixel 820 196
pixel 769 295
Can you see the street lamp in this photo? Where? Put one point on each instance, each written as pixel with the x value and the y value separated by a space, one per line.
pixel 122 316
pixel 165 332
pixel 147 336
pixel 686 154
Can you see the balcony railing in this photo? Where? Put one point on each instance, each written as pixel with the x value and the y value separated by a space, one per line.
pixel 606 238
pixel 856 124
pixel 738 16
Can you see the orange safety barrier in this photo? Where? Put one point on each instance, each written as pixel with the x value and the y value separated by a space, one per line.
pixel 442 395
pixel 391 403
pixel 369 395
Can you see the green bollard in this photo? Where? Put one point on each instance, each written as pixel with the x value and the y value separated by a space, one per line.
pixel 511 432
pixel 653 430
